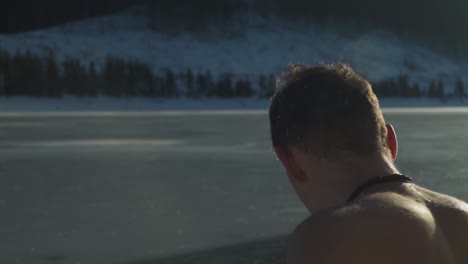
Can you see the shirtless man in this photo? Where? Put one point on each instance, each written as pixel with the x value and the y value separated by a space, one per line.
pixel 329 133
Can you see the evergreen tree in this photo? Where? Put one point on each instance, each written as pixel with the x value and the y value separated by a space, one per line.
pixel 25 75
pixel 387 88
pixel 74 77
pixel 13 76
pixel 54 87
pixel 271 85
pixel 29 74
pixel 378 88
pixel 432 91
pixel 263 86
pixel 224 88
pixel 243 88
pixel 2 84
pixel 210 89
pixel 266 86
pixel 4 63
pixel 189 83
pixel 115 74
pixel 145 86
pixel 140 79
pixel 201 85
pixel 170 84
pixel 132 79
pixel 93 86
pixel 459 88
pixel 440 91
pixel 416 90
pixel 403 86
pixel 157 87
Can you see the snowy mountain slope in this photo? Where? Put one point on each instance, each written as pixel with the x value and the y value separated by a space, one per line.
pixel 266 47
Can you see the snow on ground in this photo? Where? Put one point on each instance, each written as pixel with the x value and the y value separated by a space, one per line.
pixel 265 47
pixel 74 104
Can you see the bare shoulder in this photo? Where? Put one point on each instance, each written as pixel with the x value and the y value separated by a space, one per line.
pixel 377 230
pixel 444 201
pixel 451 215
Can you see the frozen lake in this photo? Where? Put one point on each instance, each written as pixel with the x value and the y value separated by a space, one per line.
pixel 175 187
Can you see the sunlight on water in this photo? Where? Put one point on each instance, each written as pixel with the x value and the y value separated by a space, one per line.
pixel 22 124
pixel 103 143
pixel 430 110
pixel 426 110
pixel 133 113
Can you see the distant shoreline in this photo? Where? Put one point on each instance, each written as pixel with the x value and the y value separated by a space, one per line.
pixel 109 104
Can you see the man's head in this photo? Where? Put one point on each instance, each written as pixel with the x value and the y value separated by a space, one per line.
pixel 326 113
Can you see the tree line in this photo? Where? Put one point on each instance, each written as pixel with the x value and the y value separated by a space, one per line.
pixel 26 74
pixel 401 87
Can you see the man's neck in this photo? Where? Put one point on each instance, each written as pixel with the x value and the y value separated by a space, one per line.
pixel 342 178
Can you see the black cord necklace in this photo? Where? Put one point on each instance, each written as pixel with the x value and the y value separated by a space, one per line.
pixel 378 180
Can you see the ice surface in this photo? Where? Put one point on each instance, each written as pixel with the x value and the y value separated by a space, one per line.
pixel 216 194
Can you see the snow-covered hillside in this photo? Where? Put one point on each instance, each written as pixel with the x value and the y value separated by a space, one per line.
pixel 266 47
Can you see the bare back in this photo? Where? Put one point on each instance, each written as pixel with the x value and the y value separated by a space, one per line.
pixel 393 223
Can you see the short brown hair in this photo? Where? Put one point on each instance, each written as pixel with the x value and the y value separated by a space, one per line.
pixel 325 110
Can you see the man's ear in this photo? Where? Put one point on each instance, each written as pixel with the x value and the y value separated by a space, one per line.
pixel 295 173
pixel 392 141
